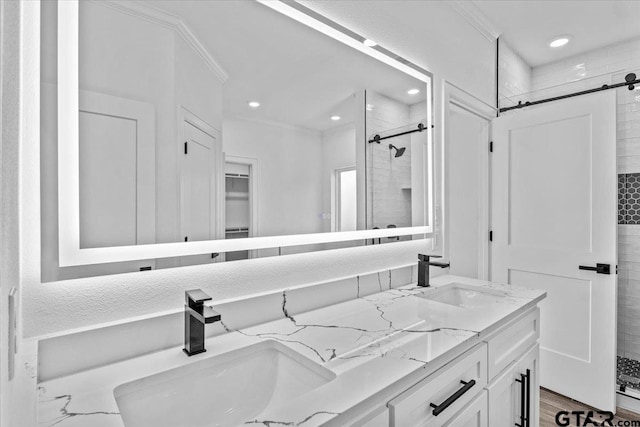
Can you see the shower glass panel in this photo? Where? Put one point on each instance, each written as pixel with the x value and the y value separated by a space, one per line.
pixel 628 140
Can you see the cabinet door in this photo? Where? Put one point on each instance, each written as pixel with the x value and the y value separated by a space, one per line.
pixel 473 415
pixel 529 365
pixel 504 398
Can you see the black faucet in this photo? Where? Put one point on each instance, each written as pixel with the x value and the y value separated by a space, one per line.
pixel 196 314
pixel 423 268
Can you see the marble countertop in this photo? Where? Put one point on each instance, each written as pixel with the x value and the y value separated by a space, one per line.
pixel 370 343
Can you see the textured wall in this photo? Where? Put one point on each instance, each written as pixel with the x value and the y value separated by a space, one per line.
pixel 9 152
pixel 605 66
pixel 60 306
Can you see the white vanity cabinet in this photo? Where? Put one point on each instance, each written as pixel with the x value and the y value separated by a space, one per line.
pixel 504 369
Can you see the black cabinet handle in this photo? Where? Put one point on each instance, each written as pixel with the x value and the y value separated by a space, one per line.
pixel 437 409
pixel 599 268
pixel 525 399
pixel 528 407
pixel 523 386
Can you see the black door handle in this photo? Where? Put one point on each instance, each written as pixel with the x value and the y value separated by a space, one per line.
pixel 599 268
pixel 437 409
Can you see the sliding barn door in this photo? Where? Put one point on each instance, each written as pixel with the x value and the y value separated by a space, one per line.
pixel 554 221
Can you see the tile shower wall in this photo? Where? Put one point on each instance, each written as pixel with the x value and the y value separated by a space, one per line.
pixel 389 183
pixel 514 74
pixel 629 198
pixel 609 65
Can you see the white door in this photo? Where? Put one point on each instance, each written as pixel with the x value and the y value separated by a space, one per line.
pixel 198 213
pixel 554 208
pixel 117 171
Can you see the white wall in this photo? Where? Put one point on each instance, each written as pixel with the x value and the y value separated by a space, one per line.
pixel 414 30
pixel 289 173
pixel 338 151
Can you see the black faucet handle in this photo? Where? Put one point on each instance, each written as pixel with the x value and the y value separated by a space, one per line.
pixel 425 258
pixel 196 297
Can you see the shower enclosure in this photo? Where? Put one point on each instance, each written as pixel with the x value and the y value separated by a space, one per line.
pixel 606 66
pixel 628 140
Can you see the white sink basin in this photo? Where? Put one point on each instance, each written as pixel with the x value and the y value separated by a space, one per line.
pixel 223 390
pixel 464 296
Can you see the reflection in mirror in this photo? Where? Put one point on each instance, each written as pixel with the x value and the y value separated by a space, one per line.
pixel 397 150
pixel 207 120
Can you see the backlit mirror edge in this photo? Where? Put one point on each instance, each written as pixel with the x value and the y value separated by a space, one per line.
pixel 70 253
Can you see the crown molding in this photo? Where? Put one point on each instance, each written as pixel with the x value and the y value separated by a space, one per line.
pixel 167 20
pixel 472 14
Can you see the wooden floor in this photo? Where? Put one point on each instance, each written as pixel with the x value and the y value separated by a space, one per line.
pixel 552 403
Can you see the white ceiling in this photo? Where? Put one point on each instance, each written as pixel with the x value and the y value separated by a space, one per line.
pixel 528 26
pixel 300 76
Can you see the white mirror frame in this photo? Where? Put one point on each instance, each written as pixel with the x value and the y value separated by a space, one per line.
pixel 70 253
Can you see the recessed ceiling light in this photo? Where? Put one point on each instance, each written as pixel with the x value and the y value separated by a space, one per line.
pixel 369 43
pixel 254 104
pixel 559 41
pixel 413 91
pixel 335 118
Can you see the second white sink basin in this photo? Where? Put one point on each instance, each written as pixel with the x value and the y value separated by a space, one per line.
pixel 224 390
pixel 464 296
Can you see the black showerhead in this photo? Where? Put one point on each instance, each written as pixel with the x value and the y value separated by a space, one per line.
pixel 399 151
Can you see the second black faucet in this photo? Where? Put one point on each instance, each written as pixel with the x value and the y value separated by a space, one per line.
pixel 423 268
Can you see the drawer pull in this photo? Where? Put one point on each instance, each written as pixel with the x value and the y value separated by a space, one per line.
pixel 437 409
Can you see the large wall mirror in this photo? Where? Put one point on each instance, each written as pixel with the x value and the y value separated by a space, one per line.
pixel 189 132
